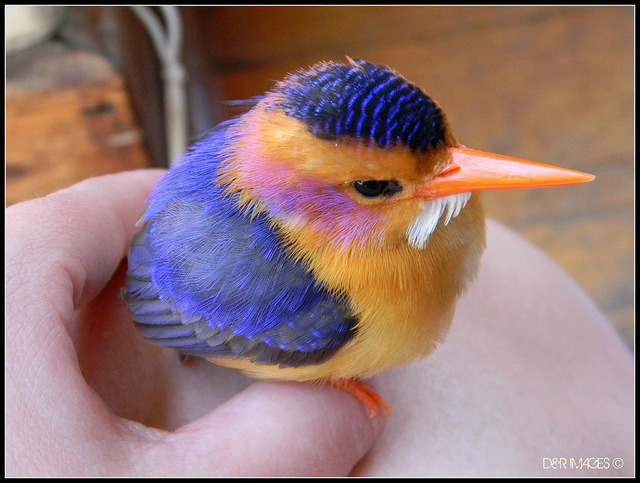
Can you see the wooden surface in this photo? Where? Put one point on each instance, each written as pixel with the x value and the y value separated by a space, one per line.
pixel 551 84
pixel 68 118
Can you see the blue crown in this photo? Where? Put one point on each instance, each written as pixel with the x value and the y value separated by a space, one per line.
pixel 363 101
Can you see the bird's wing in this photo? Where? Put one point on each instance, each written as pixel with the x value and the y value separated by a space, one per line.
pixel 212 282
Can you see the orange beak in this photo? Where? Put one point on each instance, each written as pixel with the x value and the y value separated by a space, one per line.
pixel 471 170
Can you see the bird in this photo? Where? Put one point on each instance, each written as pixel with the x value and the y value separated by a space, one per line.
pixel 323 235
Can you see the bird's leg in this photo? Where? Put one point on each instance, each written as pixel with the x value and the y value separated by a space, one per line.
pixel 364 394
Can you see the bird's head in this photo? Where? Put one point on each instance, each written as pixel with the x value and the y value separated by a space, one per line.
pixel 355 155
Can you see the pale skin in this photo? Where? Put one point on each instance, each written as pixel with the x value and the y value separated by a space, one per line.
pixel 530 370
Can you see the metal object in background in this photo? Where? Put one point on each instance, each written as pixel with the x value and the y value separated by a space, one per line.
pixel 167 42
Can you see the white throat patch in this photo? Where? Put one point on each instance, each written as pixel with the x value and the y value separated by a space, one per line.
pixel 425 223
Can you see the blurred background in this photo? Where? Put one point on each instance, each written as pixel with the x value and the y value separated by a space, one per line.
pixel 86 95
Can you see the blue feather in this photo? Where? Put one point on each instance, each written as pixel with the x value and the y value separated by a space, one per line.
pixel 363 101
pixel 208 280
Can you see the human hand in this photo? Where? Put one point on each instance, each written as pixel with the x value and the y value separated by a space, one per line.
pixel 530 370
pixel 85 395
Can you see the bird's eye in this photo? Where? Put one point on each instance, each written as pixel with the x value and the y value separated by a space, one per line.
pixel 374 188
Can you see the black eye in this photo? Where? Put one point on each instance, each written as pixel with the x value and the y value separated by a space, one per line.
pixel 374 188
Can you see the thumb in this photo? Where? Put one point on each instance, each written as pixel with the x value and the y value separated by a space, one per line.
pixel 272 429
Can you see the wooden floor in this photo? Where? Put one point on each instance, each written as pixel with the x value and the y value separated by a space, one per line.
pixel 551 84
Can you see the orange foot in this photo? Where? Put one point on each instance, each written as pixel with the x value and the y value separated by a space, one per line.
pixel 364 394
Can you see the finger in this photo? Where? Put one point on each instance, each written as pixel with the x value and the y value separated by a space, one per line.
pixel 272 429
pixel 61 249
pixel 72 241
